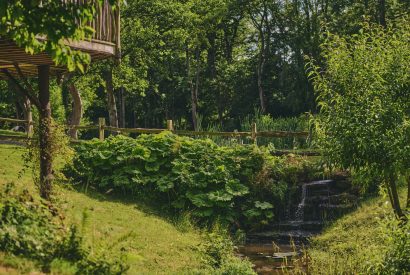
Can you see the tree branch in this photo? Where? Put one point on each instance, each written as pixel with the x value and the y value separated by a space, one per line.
pixel 23 77
pixel 26 92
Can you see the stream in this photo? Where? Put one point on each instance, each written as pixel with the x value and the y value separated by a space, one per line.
pixel 274 251
pixel 269 258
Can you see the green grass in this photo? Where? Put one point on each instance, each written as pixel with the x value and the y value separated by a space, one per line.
pixel 152 244
pixel 11 133
pixel 354 243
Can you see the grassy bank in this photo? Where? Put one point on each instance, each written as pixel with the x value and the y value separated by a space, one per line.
pixel 356 243
pixel 152 245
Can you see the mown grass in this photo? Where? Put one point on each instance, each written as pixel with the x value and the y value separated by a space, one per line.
pixel 152 244
pixel 355 243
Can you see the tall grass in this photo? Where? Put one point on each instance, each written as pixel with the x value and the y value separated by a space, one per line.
pixel 289 124
pixel 264 123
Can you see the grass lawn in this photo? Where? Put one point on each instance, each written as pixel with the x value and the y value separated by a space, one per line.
pixel 152 244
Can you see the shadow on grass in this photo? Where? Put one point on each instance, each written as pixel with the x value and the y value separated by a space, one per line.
pixel 138 201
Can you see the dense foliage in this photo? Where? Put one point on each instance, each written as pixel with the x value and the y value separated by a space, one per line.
pixel 35 230
pixel 363 95
pixel 219 58
pixel 240 184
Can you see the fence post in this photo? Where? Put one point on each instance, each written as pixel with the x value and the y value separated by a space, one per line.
pixel 254 132
pixel 170 126
pixel 101 124
pixel 29 128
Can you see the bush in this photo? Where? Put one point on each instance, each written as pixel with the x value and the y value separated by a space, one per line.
pixel 397 259
pixel 218 250
pixel 34 230
pixel 239 184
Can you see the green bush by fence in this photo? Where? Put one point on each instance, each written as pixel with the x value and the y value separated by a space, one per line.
pixel 236 184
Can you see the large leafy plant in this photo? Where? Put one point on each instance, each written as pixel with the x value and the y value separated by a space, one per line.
pixel 239 184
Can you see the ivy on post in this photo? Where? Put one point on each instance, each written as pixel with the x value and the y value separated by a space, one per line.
pixel 46 172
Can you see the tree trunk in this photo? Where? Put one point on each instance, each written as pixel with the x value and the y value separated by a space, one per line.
pixel 382 13
pixel 394 197
pixel 23 103
pixel 77 110
pixel 122 108
pixel 408 192
pixel 112 107
pixel 195 92
pixel 28 115
pixel 194 108
pixel 260 89
pixel 46 171
pixel 264 42
pixel 193 87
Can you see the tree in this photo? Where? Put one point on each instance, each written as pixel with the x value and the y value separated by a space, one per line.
pixel 43 26
pixel 364 118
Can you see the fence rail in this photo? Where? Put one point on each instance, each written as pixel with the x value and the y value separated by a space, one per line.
pixel 101 127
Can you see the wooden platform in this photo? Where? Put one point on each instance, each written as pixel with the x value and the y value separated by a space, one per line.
pixel 10 52
pixel 105 43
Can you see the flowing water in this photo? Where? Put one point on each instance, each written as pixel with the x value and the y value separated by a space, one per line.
pixel 269 258
pixel 276 250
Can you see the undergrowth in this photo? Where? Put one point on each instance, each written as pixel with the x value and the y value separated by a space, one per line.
pixel 35 230
pixel 239 185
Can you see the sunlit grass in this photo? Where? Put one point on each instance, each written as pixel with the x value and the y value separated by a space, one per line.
pixel 152 245
pixel 354 243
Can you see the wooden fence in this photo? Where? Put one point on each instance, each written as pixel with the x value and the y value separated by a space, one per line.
pixel 102 127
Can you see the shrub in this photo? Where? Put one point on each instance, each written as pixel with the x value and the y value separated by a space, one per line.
pixel 238 184
pixel 218 250
pixel 397 259
pixel 34 230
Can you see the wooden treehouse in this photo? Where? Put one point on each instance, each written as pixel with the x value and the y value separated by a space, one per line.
pixel 105 43
pixel 17 66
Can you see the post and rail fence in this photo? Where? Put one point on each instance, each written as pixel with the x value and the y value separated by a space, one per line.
pixel 102 128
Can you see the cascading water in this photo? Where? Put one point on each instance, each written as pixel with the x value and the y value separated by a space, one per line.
pixel 300 211
pixel 319 202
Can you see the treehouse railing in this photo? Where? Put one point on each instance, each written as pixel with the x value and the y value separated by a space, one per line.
pixel 106 22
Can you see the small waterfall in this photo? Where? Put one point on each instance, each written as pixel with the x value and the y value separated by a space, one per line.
pixel 320 201
pixel 300 212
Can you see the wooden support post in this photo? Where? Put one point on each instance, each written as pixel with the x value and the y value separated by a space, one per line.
pixel 101 125
pixel 170 125
pixel 254 132
pixel 46 158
